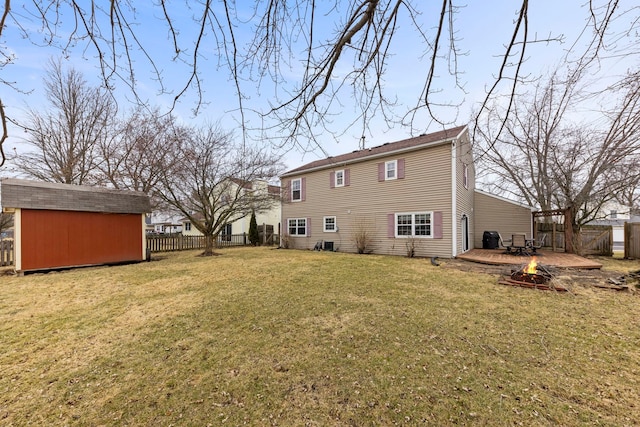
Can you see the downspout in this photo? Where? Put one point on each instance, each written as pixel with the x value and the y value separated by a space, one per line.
pixel 454 201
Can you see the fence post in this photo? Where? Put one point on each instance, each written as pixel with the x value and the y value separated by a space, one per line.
pixel 627 239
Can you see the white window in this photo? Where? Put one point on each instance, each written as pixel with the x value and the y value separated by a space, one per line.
pixel 187 226
pixel 416 224
pixel 614 215
pixel 296 189
pixel 340 178
pixel 391 170
pixel 465 175
pixel 297 226
pixel 330 224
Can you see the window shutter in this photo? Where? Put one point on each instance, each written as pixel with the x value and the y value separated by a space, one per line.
pixel 286 191
pixel 332 180
pixel 400 168
pixel 381 171
pixel 437 225
pixel 303 189
pixel 391 225
pixel 347 178
pixel 308 226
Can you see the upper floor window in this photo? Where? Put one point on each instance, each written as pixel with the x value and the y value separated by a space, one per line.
pixel 187 226
pixel 296 189
pixel 465 175
pixel 339 178
pixel 614 214
pixel 391 169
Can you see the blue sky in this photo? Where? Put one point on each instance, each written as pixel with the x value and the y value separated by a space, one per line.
pixel 483 28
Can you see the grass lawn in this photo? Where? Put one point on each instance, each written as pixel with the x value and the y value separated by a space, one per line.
pixel 258 336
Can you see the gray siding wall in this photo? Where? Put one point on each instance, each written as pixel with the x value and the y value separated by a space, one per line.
pixel 25 194
pixel 464 195
pixel 366 203
pixel 494 214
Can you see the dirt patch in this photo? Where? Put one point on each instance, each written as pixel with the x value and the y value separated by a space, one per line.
pixel 573 279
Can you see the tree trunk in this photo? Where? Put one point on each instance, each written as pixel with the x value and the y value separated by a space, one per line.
pixel 208 245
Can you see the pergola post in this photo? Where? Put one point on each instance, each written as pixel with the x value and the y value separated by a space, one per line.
pixel 568 231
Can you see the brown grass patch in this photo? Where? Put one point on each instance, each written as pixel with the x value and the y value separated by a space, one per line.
pixel 281 337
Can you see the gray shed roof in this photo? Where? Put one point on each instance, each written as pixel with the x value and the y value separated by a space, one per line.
pixel 25 194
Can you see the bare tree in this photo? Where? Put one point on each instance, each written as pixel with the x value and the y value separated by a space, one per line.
pixel 65 137
pixel 542 156
pixel 134 157
pixel 6 221
pixel 348 61
pixel 213 181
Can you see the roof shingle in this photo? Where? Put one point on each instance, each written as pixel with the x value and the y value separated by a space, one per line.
pixel 389 147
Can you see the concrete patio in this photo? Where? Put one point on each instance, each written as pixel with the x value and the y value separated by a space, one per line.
pixel 549 258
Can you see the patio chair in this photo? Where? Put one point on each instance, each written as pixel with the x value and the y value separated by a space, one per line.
pixel 538 243
pixel 518 245
pixel 502 242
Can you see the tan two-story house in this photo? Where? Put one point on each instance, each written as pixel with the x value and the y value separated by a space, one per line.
pixel 411 197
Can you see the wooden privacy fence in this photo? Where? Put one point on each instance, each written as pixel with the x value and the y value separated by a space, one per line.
pixel 6 253
pixel 160 243
pixel 594 239
pixel 267 235
pixel 632 240
pixel 553 233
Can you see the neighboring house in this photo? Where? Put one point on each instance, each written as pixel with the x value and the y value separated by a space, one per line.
pixel 270 217
pixel 416 194
pixel 163 223
pixel 167 227
pixel 615 215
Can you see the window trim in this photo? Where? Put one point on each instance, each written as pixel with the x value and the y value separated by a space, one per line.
pixel 299 190
pixel 465 175
pixel 395 169
pixel 297 227
pixel 341 171
pixel 413 225
pixel 324 224
pixel 187 226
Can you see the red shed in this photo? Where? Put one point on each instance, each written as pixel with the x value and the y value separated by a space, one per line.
pixel 62 225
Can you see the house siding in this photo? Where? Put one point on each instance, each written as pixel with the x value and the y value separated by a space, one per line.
pixel 367 202
pixel 496 214
pixel 464 195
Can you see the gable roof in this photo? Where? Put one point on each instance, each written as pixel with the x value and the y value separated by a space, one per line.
pixel 409 144
pixel 26 194
pixel 248 185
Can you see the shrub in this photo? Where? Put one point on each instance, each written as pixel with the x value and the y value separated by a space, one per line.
pixel 254 236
